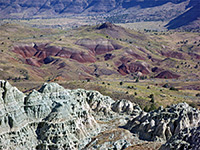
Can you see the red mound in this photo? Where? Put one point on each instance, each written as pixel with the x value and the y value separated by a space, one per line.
pixel 167 75
pixel 99 46
pixel 125 59
pixel 174 54
pixel 33 62
pixel 64 54
pixel 134 55
pixel 26 51
pixel 123 69
pixel 103 48
pixel 88 43
pixel 82 57
pixel 139 67
pixel 47 51
pixel 42 53
pixel 133 68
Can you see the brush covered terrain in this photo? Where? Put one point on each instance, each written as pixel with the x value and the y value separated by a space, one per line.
pixel 150 68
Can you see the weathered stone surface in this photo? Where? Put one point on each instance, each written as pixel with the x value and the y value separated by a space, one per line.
pixel 58 118
pixel 12 114
pixel 188 139
pixel 127 107
pixel 161 124
pixel 115 139
pixel 52 118
pixel 64 115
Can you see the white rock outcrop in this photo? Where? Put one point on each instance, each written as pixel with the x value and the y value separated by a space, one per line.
pixel 161 124
pixel 55 118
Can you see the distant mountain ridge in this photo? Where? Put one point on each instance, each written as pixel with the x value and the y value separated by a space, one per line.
pixel 187 19
pixel 122 10
pixel 73 6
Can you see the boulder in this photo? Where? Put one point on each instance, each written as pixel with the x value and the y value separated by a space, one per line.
pixel 127 107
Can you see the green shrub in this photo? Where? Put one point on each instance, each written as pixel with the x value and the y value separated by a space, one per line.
pixel 151 96
pixel 198 95
pixel 173 88
pixel 152 107
pixel 152 100
pixel 166 85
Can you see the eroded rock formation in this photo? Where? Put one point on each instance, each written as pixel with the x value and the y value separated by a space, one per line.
pixel 52 118
pixel 57 118
pixel 161 124
pixel 187 139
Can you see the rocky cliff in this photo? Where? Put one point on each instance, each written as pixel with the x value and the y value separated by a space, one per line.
pixel 187 139
pixel 57 118
pixel 161 124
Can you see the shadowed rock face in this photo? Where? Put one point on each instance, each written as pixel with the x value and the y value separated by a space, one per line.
pixel 156 69
pixel 187 139
pixel 58 118
pixel 187 20
pixel 48 60
pixel 147 3
pixel 161 124
pixel 108 56
pixel 106 25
